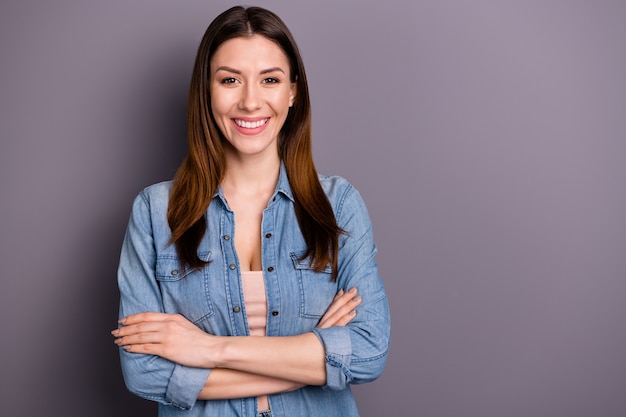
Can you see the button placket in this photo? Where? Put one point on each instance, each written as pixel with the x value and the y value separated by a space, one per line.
pixel 231 273
pixel 268 252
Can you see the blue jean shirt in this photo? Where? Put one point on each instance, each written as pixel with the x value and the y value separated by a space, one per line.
pixel 151 279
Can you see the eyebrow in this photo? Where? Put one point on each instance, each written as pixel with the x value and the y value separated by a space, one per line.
pixel 265 71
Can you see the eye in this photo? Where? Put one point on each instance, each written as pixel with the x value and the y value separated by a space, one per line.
pixel 228 80
pixel 271 80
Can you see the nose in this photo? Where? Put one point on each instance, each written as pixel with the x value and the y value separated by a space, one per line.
pixel 251 98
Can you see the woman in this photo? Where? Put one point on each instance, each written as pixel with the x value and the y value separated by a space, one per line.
pixel 239 279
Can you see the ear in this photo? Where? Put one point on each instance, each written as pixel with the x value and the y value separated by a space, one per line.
pixel 293 90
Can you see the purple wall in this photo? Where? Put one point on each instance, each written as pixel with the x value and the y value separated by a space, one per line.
pixel 488 139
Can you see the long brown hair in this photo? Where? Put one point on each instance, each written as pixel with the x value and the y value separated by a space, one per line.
pixel 203 168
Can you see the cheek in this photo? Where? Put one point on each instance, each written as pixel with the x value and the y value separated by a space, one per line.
pixel 219 117
pixel 281 101
pixel 217 107
pixel 220 114
pixel 216 115
pixel 221 101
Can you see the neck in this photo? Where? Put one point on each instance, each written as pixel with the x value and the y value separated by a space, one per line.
pixel 251 175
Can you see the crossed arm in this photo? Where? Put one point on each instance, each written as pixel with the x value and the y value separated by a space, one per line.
pixel 242 366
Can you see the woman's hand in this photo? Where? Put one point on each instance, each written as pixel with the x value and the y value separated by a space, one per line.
pixel 169 336
pixel 342 310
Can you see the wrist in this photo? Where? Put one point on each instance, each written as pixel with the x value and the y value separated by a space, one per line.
pixel 213 348
pixel 235 352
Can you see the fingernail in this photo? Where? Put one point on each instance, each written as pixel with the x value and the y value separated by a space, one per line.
pixel 115 332
pixel 340 291
pixel 122 320
pixel 353 290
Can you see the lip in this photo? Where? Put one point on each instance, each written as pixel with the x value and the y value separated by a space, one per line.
pixel 253 131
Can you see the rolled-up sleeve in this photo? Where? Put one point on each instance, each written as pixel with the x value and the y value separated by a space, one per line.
pixel 357 353
pixel 150 376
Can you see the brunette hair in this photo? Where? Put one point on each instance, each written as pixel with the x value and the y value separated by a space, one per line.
pixel 203 168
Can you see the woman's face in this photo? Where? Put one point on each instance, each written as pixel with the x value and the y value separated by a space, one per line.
pixel 251 93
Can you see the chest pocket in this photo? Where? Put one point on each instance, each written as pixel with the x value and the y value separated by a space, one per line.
pixel 184 292
pixel 316 288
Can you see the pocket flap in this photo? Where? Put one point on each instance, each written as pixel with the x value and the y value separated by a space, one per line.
pixel 299 263
pixel 168 267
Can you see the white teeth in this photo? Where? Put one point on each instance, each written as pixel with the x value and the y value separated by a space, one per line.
pixel 250 125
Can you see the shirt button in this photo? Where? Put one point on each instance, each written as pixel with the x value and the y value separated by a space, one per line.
pixel 274 313
pixel 270 269
pixel 268 235
pixel 236 309
pixel 226 237
pixel 175 272
pixel 232 266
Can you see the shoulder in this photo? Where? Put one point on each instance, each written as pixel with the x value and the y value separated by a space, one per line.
pixel 158 193
pixel 153 199
pixel 335 187
pixel 149 211
pixel 343 196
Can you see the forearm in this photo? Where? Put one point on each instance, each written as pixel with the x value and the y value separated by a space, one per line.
pixel 297 359
pixel 224 384
pixel 294 360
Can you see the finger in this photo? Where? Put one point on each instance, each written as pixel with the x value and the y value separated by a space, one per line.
pixel 142 337
pixel 338 320
pixel 141 317
pixel 336 299
pixel 343 305
pixel 346 313
pixel 346 319
pixel 342 315
pixel 338 308
pixel 340 300
pixel 145 348
pixel 138 328
pixel 348 308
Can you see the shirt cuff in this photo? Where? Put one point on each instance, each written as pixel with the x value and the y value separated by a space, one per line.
pixel 185 385
pixel 338 348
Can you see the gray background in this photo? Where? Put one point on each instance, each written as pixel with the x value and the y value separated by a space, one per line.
pixel 488 139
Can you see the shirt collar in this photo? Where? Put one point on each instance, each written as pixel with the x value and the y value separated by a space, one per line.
pixel 282 187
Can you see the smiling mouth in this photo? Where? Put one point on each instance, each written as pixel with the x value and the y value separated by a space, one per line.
pixel 251 125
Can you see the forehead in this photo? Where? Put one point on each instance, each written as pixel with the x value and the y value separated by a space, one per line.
pixel 250 52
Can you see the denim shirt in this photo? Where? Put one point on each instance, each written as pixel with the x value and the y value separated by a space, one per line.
pixel 151 279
